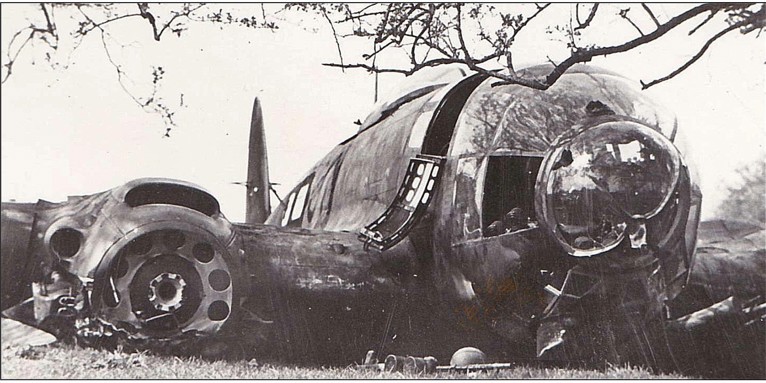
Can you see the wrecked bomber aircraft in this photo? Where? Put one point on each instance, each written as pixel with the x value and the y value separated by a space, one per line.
pixel 536 225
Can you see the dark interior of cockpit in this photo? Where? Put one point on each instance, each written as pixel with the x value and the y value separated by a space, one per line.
pixel 509 194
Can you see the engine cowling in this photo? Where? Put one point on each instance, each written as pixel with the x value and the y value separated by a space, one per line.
pixel 152 259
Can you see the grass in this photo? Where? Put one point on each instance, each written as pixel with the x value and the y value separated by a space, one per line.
pixel 69 362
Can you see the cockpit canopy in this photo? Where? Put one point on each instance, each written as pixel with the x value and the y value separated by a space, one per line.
pixel 415 86
pixel 599 182
pixel 511 124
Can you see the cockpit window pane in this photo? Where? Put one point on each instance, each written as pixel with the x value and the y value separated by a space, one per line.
pixel 467 214
pixel 387 109
pixel 300 200
pixel 296 203
pixel 290 203
pixel 520 118
pixel 421 83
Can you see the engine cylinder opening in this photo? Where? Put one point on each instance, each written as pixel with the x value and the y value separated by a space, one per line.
pixel 140 246
pixel 219 280
pixel 203 252
pixel 172 194
pixel 173 239
pixel 66 242
pixel 218 311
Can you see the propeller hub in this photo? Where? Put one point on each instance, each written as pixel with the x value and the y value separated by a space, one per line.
pixel 166 291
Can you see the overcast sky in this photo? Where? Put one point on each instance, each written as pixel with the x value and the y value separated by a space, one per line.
pixel 75 131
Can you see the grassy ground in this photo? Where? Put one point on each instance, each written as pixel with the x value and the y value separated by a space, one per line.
pixel 67 362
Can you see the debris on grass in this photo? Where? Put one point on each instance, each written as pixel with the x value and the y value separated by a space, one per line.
pixel 118 359
pixel 72 362
pixel 31 352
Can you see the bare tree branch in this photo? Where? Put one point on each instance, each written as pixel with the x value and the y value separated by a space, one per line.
pixel 624 14
pixel 419 66
pixel 708 18
pixel 35 31
pixel 152 104
pixel 95 25
pixel 699 53
pixel 361 15
pixel 51 27
pixel 651 14
pixel 12 59
pixel 263 12
pixel 376 51
pixel 370 68
pixel 97 17
pixel 586 55
pixel 524 23
pixel 334 35
pixel 118 68
pixel 403 21
pixel 186 13
pixel 463 47
pixel 143 9
pixel 419 38
pixel 428 34
pixel 586 23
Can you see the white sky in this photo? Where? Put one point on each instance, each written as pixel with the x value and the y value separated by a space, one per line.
pixel 75 131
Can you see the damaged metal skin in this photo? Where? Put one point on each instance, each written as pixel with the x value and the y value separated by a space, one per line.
pixel 154 264
pixel 151 259
pixel 580 224
pixel 551 225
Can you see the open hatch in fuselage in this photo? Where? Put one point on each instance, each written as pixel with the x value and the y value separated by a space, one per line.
pixel 509 194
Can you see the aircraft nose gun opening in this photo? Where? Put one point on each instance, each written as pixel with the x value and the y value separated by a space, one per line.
pixel 604 182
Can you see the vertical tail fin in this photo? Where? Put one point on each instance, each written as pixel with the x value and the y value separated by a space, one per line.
pixel 257 197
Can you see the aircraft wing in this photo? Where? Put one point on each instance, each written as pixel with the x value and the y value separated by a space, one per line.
pixel 731 259
pixel 17 333
pixel 730 262
pixel 720 316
